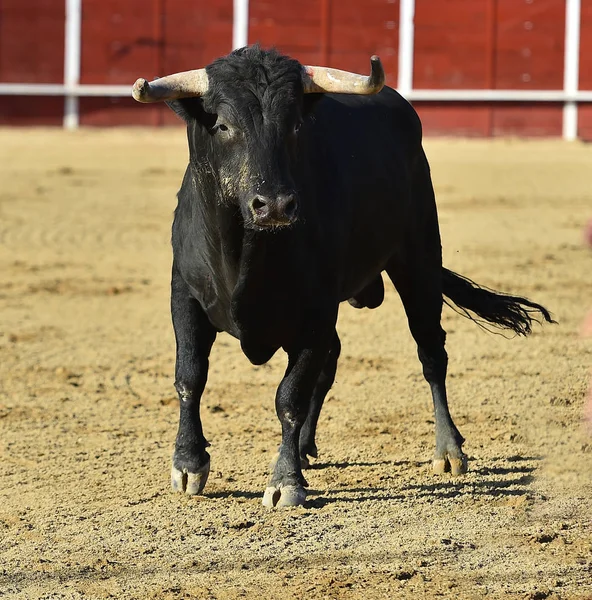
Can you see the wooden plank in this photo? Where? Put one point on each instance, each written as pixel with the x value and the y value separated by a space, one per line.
pixel 195 33
pixel 585 122
pixel 458 119
pixel 118 43
pixel 507 119
pixel 357 30
pixel 31 110
pixel 527 120
pixel 450 14
pixel 293 27
pixel 530 44
pixel 107 112
pixel 451 44
pixel 586 46
pixel 32 41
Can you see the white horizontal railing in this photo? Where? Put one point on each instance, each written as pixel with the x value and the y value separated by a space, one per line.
pixel 60 89
pixel 499 95
pixel 82 90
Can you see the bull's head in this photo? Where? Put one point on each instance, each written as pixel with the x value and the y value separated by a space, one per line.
pixel 244 114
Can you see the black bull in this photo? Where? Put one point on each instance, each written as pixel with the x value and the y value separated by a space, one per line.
pixel 292 203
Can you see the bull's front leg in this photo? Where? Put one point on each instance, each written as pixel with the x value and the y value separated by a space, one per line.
pixel 194 335
pixel 286 483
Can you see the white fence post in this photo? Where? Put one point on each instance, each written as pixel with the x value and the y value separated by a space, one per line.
pixel 406 34
pixel 240 24
pixel 571 72
pixel 72 62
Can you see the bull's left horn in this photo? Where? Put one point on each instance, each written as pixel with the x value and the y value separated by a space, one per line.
pixel 187 84
pixel 322 79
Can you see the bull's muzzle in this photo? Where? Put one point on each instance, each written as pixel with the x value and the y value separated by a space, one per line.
pixel 269 213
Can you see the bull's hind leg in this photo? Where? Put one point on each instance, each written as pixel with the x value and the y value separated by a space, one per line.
pixel 419 285
pixel 308 446
pixel 194 335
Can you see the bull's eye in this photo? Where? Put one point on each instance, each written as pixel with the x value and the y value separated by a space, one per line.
pixel 221 128
pixel 297 126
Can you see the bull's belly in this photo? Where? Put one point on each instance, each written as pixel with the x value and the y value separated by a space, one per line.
pixel 367 254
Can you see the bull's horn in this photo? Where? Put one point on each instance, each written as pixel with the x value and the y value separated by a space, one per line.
pixel 322 79
pixel 180 85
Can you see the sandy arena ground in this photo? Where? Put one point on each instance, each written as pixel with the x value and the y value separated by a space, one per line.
pixel 88 412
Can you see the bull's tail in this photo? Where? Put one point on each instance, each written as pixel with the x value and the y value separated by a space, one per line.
pixel 501 310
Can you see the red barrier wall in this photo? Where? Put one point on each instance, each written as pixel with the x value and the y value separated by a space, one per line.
pixel 23 59
pixel 122 41
pixel 343 34
pixel 585 111
pixel 459 44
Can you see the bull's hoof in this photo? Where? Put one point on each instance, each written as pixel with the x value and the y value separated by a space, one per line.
pixel 191 483
pixel 280 497
pixel 450 464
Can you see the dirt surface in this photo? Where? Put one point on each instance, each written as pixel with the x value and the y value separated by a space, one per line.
pixel 88 412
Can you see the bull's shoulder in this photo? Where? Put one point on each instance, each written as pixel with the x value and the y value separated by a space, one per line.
pixel 212 291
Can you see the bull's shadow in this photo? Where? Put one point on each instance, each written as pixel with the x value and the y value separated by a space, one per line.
pixel 512 479
pixel 236 494
pixel 347 464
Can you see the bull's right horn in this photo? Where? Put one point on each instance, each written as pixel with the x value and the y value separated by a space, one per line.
pixel 322 79
pixel 188 84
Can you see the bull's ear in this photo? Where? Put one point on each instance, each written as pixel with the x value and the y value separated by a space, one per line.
pixel 188 109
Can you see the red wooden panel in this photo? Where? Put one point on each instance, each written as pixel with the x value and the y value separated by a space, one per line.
pixel 32 41
pixel 294 27
pixel 344 37
pixel 195 32
pixel 585 122
pixel 360 29
pixel 527 120
pixel 529 44
pixel 137 38
pixel 31 110
pixel 106 112
pixel 459 119
pixel 118 41
pixel 452 44
pixel 586 46
pixel 168 117
pixel 484 119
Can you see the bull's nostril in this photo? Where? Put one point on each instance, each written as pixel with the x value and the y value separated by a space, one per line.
pixel 290 207
pixel 274 211
pixel 257 204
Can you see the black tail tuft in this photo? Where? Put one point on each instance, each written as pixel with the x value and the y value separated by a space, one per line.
pixel 502 310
